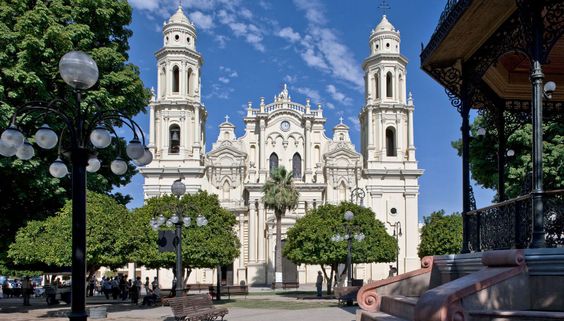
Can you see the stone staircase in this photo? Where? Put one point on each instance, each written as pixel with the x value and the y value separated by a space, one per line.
pixel 509 285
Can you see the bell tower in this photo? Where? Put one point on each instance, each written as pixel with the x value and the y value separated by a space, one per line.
pixel 387 118
pixel 177 116
pixel 390 168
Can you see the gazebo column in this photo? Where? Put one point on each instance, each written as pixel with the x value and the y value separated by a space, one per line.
pixel 536 110
pixel 465 113
pixel 501 150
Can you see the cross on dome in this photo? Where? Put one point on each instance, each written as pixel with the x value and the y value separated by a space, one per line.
pixel 226 118
pixel 341 120
pixel 384 6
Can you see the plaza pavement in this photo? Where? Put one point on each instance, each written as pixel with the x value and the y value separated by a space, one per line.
pixel 13 310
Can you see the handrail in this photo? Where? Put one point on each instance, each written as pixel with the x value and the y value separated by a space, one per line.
pixel 369 300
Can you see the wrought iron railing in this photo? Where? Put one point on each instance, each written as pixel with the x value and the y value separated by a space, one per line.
pixel 508 224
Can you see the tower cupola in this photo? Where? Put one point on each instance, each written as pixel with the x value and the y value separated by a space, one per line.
pixel 179 31
pixel 384 39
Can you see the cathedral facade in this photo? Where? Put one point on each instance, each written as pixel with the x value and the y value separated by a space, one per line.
pixel 326 166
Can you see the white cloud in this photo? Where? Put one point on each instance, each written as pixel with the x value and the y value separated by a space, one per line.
pixel 290 79
pixel 246 13
pixel 221 40
pixel 289 34
pixel 321 48
pixel 355 122
pixel 338 96
pixel 314 10
pixel 229 72
pixel 330 105
pixel 313 59
pixel 144 4
pixel 310 93
pixel 224 80
pixel 201 20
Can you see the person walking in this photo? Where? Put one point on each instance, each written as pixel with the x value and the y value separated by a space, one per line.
pixel 26 290
pixel 146 285
pixel 155 283
pixel 319 283
pixel 107 287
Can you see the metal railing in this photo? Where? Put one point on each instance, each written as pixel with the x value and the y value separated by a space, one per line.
pixel 508 224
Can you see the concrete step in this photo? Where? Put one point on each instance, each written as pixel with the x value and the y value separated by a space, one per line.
pixel 375 316
pixel 399 305
pixel 515 315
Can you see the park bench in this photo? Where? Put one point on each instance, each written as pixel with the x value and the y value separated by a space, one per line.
pixel 231 290
pixel 235 290
pixel 346 294
pixel 198 287
pixel 290 285
pixel 195 307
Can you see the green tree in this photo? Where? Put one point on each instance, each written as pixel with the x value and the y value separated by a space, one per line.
pixel 34 35
pixel 48 242
pixel 483 155
pixel 309 240
pixel 280 195
pixel 441 234
pixel 202 247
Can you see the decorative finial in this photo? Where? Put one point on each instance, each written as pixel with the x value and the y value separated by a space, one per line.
pixel 226 118
pixel 250 104
pixel 384 6
pixel 341 120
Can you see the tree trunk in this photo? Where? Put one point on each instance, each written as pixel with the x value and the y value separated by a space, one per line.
pixel 278 265
pixel 328 279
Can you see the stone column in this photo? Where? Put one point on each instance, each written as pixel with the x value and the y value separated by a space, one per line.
pixel 152 133
pixel 369 128
pixel 252 241
pixel 262 158
pixel 197 132
pixel 260 233
pixel 400 148
pixel 410 142
pixel 411 233
pixel 307 158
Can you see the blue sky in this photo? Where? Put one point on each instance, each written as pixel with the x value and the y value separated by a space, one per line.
pixel 251 48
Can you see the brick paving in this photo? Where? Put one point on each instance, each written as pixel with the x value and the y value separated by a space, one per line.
pixel 13 310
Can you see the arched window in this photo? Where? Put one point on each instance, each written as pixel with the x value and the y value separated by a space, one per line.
pixel 390 141
pixel 377 81
pixel 174 146
pixel 342 192
pixel 175 80
pixel 389 88
pixel 273 161
pixel 188 82
pixel 226 190
pixel 297 165
pixel 163 82
pixel 317 154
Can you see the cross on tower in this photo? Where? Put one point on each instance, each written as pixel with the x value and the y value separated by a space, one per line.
pixel 226 118
pixel 341 119
pixel 384 6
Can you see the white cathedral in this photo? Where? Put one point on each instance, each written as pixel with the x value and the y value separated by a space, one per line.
pixel 326 166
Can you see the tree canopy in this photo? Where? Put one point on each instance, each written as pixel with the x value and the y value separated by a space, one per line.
pixel 48 243
pixel 202 247
pixel 441 234
pixel 309 240
pixel 483 155
pixel 34 35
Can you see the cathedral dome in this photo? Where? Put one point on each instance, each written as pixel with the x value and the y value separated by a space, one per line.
pixel 179 17
pixel 384 25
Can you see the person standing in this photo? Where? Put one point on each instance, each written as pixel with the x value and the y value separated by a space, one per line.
pixel 146 285
pixel 155 283
pixel 26 290
pixel 319 283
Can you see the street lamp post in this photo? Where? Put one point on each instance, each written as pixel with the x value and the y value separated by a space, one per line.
pixel 179 220
pixel 397 234
pixel 87 129
pixel 349 235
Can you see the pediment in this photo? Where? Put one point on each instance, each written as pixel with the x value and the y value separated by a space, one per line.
pixel 342 150
pixel 226 150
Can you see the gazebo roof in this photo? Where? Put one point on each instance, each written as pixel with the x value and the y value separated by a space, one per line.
pixel 485 43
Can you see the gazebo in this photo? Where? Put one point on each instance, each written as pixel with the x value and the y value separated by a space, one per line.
pixel 494 56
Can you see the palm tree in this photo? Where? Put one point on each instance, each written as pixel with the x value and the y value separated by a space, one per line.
pixel 280 195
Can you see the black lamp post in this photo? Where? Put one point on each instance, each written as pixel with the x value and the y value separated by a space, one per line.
pixel 397 234
pixel 349 235
pixel 178 220
pixel 357 196
pixel 87 128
